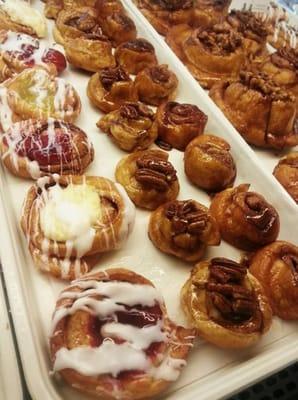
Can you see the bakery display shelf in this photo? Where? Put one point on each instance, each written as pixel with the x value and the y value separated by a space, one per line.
pixel 211 373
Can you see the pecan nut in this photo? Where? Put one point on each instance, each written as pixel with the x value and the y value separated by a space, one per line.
pixel 139 45
pixel 160 74
pixel 135 111
pixel 108 76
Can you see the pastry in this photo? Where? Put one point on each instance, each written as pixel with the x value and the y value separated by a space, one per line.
pixel 263 112
pixel 286 172
pixel 111 337
pixel 135 55
pixel 36 94
pixel 276 267
pixel 107 7
pixel 209 12
pixel 163 14
pixel 118 27
pixel 18 16
pixel 33 148
pixel 245 219
pixel 183 229
pixel 178 123
pixel 251 28
pixel 226 304
pixel 156 85
pixel 208 163
pixel 148 178
pixel 19 51
pixel 211 54
pixel 69 220
pixel 284 35
pixel 131 127
pixel 85 44
pixel 111 87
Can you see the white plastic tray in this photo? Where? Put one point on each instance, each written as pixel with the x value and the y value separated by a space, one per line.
pixel 211 373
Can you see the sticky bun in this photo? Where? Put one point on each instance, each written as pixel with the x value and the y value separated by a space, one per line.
pixel 108 7
pixel 179 123
pixel 111 87
pixel 163 14
pixel 286 172
pixel 209 12
pixel 183 229
pixel 19 51
pixel 135 55
pixel 208 163
pixel 131 127
pixel 276 267
pixel 33 148
pixel 245 219
pixel 263 112
pixel 156 85
pixel 148 178
pixel 210 54
pixel 53 7
pixel 18 16
pixel 70 220
pixel 111 337
pixel 226 304
pixel 118 27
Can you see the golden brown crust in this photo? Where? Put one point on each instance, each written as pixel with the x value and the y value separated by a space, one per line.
pixel 183 229
pixel 131 127
pixel 34 148
pixel 286 172
pixel 73 331
pixel 209 12
pixel 156 85
pixel 135 55
pixel 118 27
pixel 276 267
pixel 211 54
pixel 109 88
pixel 262 112
pixel 209 164
pixel 226 305
pixel 107 7
pixel 245 219
pixel 148 178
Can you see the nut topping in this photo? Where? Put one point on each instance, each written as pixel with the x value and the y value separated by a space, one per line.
pixel 87 24
pixel 246 21
pixel 136 111
pixel 258 211
pixel 179 114
pixel 140 45
pixel 286 57
pixel 108 76
pixel 123 20
pixel 219 39
pixel 160 74
pixel 155 172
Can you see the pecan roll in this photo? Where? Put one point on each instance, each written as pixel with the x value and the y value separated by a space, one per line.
pixel 209 164
pixel 118 27
pixel 117 321
pixel 148 178
pixel 210 54
pixel 209 12
pixel 163 14
pixel 107 7
pixel 156 85
pixel 262 112
pixel 109 88
pixel 69 221
pixel 178 123
pixel 53 7
pixel 226 304
pixel 276 267
pixel 245 219
pixel 183 229
pixel 131 127
pixel 33 148
pixel 286 172
pixel 135 55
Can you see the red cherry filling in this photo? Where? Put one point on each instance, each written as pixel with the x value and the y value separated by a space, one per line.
pixel 55 57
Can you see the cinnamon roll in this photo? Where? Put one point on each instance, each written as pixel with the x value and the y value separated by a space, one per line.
pixel 286 172
pixel 226 304
pixel 36 94
pixel 156 85
pixel 208 163
pixel 163 14
pixel 245 219
pixel 135 55
pixel 148 178
pixel 70 220
pixel 183 229
pixel 178 123
pixel 210 54
pixel 19 51
pixel 131 127
pixel 33 148
pixel 18 16
pixel 118 27
pixel 209 12
pixel 111 337
pixel 276 267
pixel 263 112
pixel 111 87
